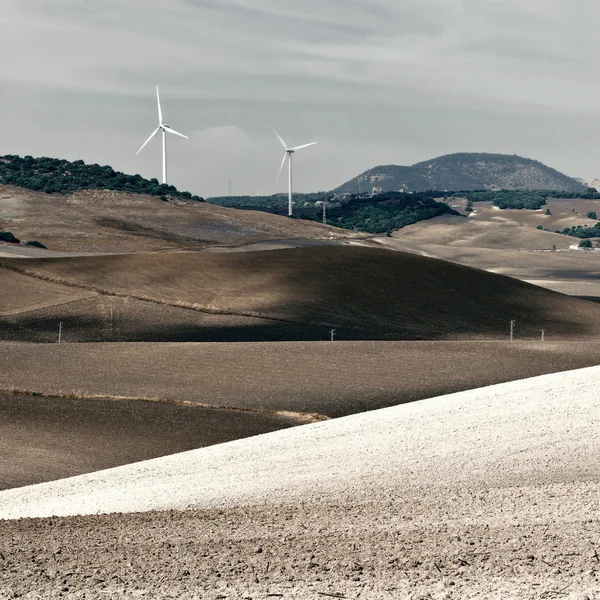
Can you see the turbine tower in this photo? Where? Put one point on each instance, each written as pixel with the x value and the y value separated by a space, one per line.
pixel 164 128
pixel 288 156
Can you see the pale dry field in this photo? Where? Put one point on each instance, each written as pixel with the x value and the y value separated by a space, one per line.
pixel 25 294
pixel 565 213
pixel 489 493
pixel 503 232
pixel 566 271
pixel 507 242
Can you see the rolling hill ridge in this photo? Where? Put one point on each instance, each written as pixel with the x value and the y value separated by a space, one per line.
pixel 285 294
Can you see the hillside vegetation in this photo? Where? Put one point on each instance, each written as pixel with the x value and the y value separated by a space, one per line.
pixel 524 199
pixel 381 213
pixel 60 176
pixel 463 171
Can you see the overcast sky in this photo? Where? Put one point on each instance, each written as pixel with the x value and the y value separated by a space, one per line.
pixel 373 81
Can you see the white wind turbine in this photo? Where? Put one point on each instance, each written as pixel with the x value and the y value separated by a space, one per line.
pixel 164 128
pixel 288 155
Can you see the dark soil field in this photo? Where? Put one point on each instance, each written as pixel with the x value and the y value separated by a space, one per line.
pixel 332 379
pixel 122 319
pixel 364 293
pixel 42 439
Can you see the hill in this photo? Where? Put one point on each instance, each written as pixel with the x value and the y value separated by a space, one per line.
pixel 463 171
pixel 69 418
pixel 297 293
pixel 100 220
pixel 60 176
pixel 518 243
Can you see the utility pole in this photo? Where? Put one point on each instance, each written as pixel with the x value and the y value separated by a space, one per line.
pixel 332 334
pixel 60 325
pixel 324 213
pixel 543 334
pixel 512 329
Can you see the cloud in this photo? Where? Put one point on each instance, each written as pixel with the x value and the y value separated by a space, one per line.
pixel 375 81
pixel 517 49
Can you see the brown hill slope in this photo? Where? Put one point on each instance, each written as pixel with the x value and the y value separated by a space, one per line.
pixel 504 232
pixel 106 221
pixel 564 213
pixel 507 242
pixel 363 292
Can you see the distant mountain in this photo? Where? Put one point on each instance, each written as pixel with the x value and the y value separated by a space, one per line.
pixel 463 171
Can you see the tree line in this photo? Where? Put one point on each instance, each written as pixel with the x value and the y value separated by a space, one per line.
pixel 382 213
pixel 522 199
pixel 59 176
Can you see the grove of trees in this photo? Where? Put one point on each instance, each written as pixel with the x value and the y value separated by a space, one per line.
pixel 382 213
pixel 59 176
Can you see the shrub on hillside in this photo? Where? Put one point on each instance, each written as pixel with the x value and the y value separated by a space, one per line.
pixel 7 236
pixel 582 232
pixel 35 244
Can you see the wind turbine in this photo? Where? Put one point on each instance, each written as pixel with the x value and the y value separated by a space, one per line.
pixel 288 155
pixel 164 128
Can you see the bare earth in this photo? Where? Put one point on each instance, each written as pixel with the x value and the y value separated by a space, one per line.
pixel 491 493
pixel 49 438
pixel 42 439
pixel 507 242
pixel 364 293
pixel 97 221
pixel 332 379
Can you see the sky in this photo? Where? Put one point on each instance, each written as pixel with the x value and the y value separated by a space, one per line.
pixel 372 81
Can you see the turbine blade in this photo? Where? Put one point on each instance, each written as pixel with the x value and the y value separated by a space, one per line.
pixel 281 167
pixel 160 117
pixel 151 136
pixel 303 146
pixel 175 132
pixel 281 140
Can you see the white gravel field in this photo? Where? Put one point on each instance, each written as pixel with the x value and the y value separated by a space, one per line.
pixel 535 432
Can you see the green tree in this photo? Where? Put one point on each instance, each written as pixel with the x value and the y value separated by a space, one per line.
pixel 585 244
